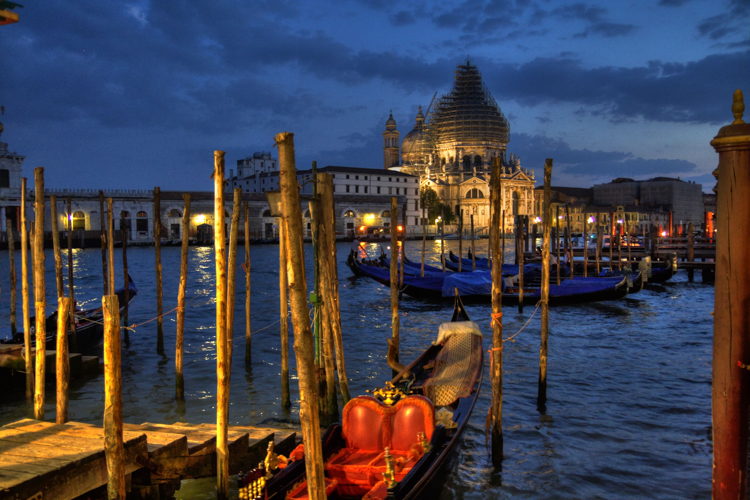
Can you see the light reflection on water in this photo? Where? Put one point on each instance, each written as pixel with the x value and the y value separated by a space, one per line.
pixel 628 394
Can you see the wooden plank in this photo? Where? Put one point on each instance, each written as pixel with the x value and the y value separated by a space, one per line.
pixel 75 477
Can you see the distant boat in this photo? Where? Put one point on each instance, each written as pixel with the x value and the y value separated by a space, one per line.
pixel 89 326
pixel 477 285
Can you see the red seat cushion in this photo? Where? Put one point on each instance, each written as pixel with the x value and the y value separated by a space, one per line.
pixel 365 423
pixel 412 415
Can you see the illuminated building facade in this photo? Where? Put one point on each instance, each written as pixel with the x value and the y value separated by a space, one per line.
pixel 452 151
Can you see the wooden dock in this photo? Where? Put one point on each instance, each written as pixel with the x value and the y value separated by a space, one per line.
pixel 43 460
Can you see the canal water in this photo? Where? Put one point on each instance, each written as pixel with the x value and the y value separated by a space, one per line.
pixel 629 381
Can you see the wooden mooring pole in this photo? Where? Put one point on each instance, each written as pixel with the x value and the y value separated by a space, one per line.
pixel 180 332
pixel 541 398
pixel 40 300
pixel 568 242
pixel 473 249
pixel 460 239
pixel 303 345
pixel 71 286
pixel 496 353
pixel 246 268
pixel 157 265
pixel 28 361
pixel 12 273
pixel 325 192
pixel 62 360
pixel 113 445
pixel 394 341
pixel 56 245
pixel 558 243
pixel 103 241
pixel 520 248
pixel 125 232
pixel 585 246
pixel 731 346
pixel 286 402
pixel 110 248
pixel 222 362
pixel 234 230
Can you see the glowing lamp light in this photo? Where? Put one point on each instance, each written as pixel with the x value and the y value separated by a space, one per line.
pixel 663 234
pixel 369 219
pixel 619 221
pixel 591 219
pixel 537 220
pixel 199 219
pixel 362 228
pixel 399 228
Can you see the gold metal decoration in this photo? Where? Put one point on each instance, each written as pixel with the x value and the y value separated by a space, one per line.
pixel 389 476
pixel 422 438
pixel 388 394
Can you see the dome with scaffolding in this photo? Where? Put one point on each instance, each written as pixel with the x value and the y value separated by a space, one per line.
pixel 468 116
pixel 418 147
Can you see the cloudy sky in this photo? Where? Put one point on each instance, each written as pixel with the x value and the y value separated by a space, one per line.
pixel 136 94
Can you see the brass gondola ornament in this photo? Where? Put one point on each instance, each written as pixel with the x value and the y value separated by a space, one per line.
pixel 388 394
pixel 389 476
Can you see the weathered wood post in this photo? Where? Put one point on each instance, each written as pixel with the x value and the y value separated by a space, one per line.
pixel 394 341
pixel 558 245
pixel 40 300
pixel 325 190
pixel 56 245
pixel 309 417
pixel 541 398
pixel 180 332
pixel 234 229
pixel 157 265
pixel 619 231
pixel 496 353
pixel 62 360
pixel 568 240
pixel 125 230
pixel 246 268
pixel 585 245
pixel 222 362
pixel 113 445
pixel 612 237
pixel 25 307
pixel 110 248
pixel 731 347
pixel 284 316
pixel 442 242
pixel 460 239
pixel 473 249
pixel 327 367
pixel 12 273
pixel 424 241
pixel 691 251
pixel 71 286
pixel 103 241
pixel 599 241
pixel 520 253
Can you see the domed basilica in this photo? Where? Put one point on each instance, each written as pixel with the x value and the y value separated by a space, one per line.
pixel 453 148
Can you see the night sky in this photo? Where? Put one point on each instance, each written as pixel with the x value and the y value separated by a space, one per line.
pixel 123 94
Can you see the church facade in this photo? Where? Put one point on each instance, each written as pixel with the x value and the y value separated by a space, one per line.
pixel 452 150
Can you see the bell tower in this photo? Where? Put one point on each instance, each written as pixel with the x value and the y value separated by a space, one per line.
pixel 390 143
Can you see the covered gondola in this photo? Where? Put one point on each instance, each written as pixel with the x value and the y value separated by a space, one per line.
pixel 397 442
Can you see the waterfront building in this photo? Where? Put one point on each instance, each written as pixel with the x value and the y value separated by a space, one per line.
pixel 10 183
pixel 452 150
pixel 683 199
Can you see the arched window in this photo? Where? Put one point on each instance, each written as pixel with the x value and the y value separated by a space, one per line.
pixel 467 162
pixel 307 214
pixel 174 213
pixel 477 161
pixel 386 213
pixel 350 213
pixel 141 222
pixel 267 213
pixel 474 193
pixel 79 220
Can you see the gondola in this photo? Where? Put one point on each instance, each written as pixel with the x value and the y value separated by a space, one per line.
pixel 397 442
pixel 477 286
pixel 88 325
